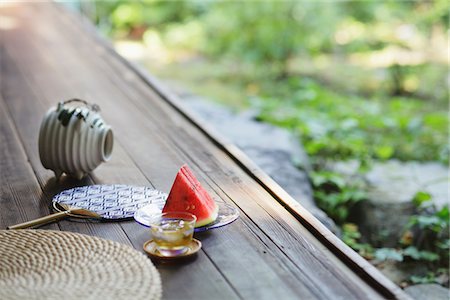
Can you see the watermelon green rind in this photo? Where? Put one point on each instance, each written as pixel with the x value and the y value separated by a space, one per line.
pixel 187 194
pixel 212 218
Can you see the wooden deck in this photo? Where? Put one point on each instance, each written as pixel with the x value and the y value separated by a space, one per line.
pixel 275 250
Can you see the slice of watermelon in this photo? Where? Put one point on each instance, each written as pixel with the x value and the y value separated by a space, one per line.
pixel 187 194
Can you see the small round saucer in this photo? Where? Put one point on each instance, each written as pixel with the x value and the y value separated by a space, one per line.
pixel 150 249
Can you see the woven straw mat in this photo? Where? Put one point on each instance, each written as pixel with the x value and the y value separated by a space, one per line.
pixel 41 264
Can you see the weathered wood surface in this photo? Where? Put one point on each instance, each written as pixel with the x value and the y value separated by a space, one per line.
pixel 46 55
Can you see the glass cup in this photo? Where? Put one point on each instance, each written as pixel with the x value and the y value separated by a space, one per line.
pixel 172 232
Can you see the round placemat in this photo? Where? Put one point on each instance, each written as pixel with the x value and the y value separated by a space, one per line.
pixel 42 264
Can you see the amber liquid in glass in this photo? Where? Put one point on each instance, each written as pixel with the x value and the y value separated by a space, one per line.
pixel 172 236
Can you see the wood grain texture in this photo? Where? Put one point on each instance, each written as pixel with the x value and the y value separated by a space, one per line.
pixel 269 274
pixel 120 169
pixel 267 253
pixel 21 197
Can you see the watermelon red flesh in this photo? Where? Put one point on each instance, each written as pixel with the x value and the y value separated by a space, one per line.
pixel 187 194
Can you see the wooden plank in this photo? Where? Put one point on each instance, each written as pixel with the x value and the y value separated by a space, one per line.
pixel 21 198
pixel 204 269
pixel 117 83
pixel 80 49
pixel 360 266
pixel 268 272
pixel 113 173
pixel 19 99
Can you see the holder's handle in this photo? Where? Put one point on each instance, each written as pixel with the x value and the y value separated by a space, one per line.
pixel 93 107
pixel 41 221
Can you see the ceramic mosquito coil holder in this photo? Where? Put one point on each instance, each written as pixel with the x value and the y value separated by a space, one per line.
pixel 74 139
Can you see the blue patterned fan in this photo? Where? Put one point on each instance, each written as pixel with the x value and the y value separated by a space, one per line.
pixel 111 202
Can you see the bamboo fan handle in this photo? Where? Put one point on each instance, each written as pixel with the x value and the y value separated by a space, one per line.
pixel 40 221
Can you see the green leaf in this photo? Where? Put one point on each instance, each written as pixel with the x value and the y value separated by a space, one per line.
pixel 412 252
pixel 420 198
pixel 127 14
pixel 350 230
pixel 353 194
pixel 320 178
pixel 429 256
pixel 429 278
pixel 342 213
pixel 428 221
pixel 445 245
pixel 383 254
pixel 443 214
pixel 384 152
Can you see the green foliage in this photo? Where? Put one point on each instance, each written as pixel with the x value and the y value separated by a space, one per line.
pixel 388 254
pixel 420 198
pixel 437 222
pixel 383 254
pixel 351 236
pixel 271 33
pixel 268 32
pixel 399 255
pixel 429 241
pixel 416 245
pixel 125 15
pixel 335 195
pixel 333 126
pixel 122 17
pixel 430 277
pixel 414 253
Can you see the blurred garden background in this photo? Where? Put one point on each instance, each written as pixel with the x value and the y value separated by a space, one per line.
pixel 364 82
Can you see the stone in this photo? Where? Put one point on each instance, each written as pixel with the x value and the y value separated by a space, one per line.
pixel 428 292
pixel 394 181
pixel 381 224
pixel 397 182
